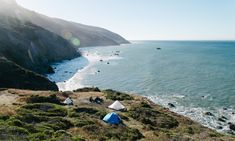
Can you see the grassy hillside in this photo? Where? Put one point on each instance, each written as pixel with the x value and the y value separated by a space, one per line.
pixel 39 115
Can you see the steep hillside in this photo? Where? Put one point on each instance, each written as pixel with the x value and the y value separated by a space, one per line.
pixel 14 76
pixel 79 34
pixel 32 47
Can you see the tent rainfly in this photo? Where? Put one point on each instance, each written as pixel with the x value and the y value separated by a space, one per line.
pixel 112 118
pixel 117 106
pixel 68 101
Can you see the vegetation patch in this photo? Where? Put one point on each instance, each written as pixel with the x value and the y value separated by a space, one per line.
pixel 86 111
pixel 115 132
pixel 41 99
pixel 87 89
pixel 39 120
pixel 115 95
pixel 148 116
pixel 46 109
pixel 12 133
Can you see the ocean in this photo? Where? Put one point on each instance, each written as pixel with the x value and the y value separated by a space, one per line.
pixel 196 76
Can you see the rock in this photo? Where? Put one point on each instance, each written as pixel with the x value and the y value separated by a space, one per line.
pixel 108 63
pixel 50 70
pixel 101 60
pixel 98 71
pixel 225 108
pixel 171 105
pixel 221 119
pixel 209 114
pixel 219 127
pixel 158 48
pixel 232 126
pixel 224 117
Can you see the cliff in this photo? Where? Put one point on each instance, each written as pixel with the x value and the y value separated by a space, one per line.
pixel 14 76
pixel 32 47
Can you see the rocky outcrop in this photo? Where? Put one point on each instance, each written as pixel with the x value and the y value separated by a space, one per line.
pixel 14 76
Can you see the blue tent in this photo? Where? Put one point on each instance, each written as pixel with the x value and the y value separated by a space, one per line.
pixel 112 118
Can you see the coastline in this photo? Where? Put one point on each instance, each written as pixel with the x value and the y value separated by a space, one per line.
pixel 195 113
pixel 87 59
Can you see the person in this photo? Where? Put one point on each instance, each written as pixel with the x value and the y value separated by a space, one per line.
pixel 98 100
pixel 91 99
pixel 71 101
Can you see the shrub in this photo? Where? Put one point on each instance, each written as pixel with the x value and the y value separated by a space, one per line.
pixel 115 95
pixel 58 123
pixel 81 123
pixel 83 111
pixel 4 117
pixel 13 133
pixel 31 118
pixel 87 89
pixel 77 138
pixel 152 117
pixel 145 105
pixel 41 99
pixel 119 132
pixel 15 122
pixel 39 136
pixel 46 109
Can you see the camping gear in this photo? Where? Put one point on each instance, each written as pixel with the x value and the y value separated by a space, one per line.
pixel 68 101
pixel 117 106
pixel 112 118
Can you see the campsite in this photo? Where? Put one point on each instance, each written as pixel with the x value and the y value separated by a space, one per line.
pixel 42 115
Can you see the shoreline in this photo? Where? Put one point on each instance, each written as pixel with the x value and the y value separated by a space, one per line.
pixel 195 113
pixel 74 82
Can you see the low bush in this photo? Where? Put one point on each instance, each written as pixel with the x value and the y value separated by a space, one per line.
pixel 83 111
pixel 39 136
pixel 12 133
pixel 87 89
pixel 115 95
pixel 42 99
pixel 81 123
pixel 152 117
pixel 118 132
pixel 57 123
pixel 4 117
pixel 46 109
pixel 145 105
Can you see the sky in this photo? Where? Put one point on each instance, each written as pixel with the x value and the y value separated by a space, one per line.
pixel 147 19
